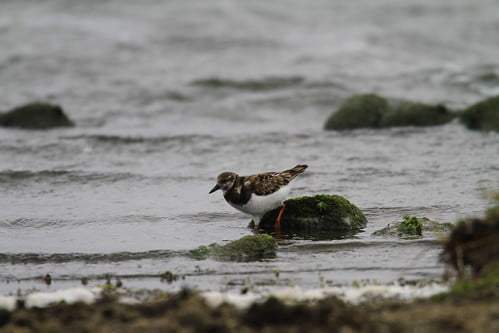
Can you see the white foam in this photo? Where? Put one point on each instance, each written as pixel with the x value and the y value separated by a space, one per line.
pixel 354 295
pixel 70 296
pixel 215 298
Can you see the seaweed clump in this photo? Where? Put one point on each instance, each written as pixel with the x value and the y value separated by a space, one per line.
pixel 410 226
pixel 317 213
pixel 247 248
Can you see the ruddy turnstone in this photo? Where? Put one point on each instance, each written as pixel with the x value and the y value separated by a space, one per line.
pixel 259 193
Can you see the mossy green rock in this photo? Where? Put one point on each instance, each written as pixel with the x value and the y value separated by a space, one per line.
pixel 247 248
pixel 414 227
pixel 404 113
pixel 373 111
pixel 35 116
pixel 360 111
pixel 483 115
pixel 317 213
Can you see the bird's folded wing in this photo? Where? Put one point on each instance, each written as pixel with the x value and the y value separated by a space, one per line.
pixel 268 183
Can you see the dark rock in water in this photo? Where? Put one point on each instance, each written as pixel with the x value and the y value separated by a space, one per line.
pixel 414 227
pixel 35 116
pixel 247 248
pixel 483 115
pixel 373 111
pixel 360 111
pixel 474 243
pixel 404 113
pixel 317 213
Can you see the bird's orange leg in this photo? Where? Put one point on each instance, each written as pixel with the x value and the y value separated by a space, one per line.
pixel 278 219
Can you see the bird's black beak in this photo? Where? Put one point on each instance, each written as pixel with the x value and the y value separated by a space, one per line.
pixel 215 188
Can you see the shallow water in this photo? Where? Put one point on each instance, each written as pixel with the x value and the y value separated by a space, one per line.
pixel 168 94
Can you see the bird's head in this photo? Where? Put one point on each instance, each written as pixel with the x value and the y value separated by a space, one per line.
pixel 225 181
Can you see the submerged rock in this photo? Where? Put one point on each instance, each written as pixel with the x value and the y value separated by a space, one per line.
pixel 373 111
pixel 413 227
pixel 317 213
pixel 247 248
pixel 483 115
pixel 35 116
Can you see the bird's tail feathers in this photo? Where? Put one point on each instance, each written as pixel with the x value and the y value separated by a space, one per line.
pixel 297 170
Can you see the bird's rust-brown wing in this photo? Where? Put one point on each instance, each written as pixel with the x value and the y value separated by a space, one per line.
pixel 270 182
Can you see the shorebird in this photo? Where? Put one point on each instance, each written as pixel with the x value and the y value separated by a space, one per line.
pixel 257 194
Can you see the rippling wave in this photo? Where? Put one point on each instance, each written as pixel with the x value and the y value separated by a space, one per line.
pixel 269 83
pixel 119 139
pixel 61 176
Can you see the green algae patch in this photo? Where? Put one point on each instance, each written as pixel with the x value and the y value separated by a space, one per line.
pixel 483 115
pixel 410 226
pixel 414 227
pixel 317 213
pixel 202 252
pixel 360 111
pixel 247 248
pixel 36 115
pixel 373 111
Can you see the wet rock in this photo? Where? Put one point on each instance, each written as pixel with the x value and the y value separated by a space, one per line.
pixel 373 111
pixel 317 213
pixel 247 248
pixel 404 113
pixel 360 111
pixel 414 227
pixel 35 116
pixel 474 243
pixel 483 115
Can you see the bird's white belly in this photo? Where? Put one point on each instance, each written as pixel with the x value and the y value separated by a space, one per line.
pixel 258 205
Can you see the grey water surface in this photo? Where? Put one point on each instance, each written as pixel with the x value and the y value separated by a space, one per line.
pixel 167 94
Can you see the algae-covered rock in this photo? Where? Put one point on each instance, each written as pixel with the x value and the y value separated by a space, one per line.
pixel 248 248
pixel 405 113
pixel 414 227
pixel 373 111
pixel 483 115
pixel 360 111
pixel 317 213
pixel 35 116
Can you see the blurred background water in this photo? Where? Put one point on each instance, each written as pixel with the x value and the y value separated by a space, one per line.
pixel 168 94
